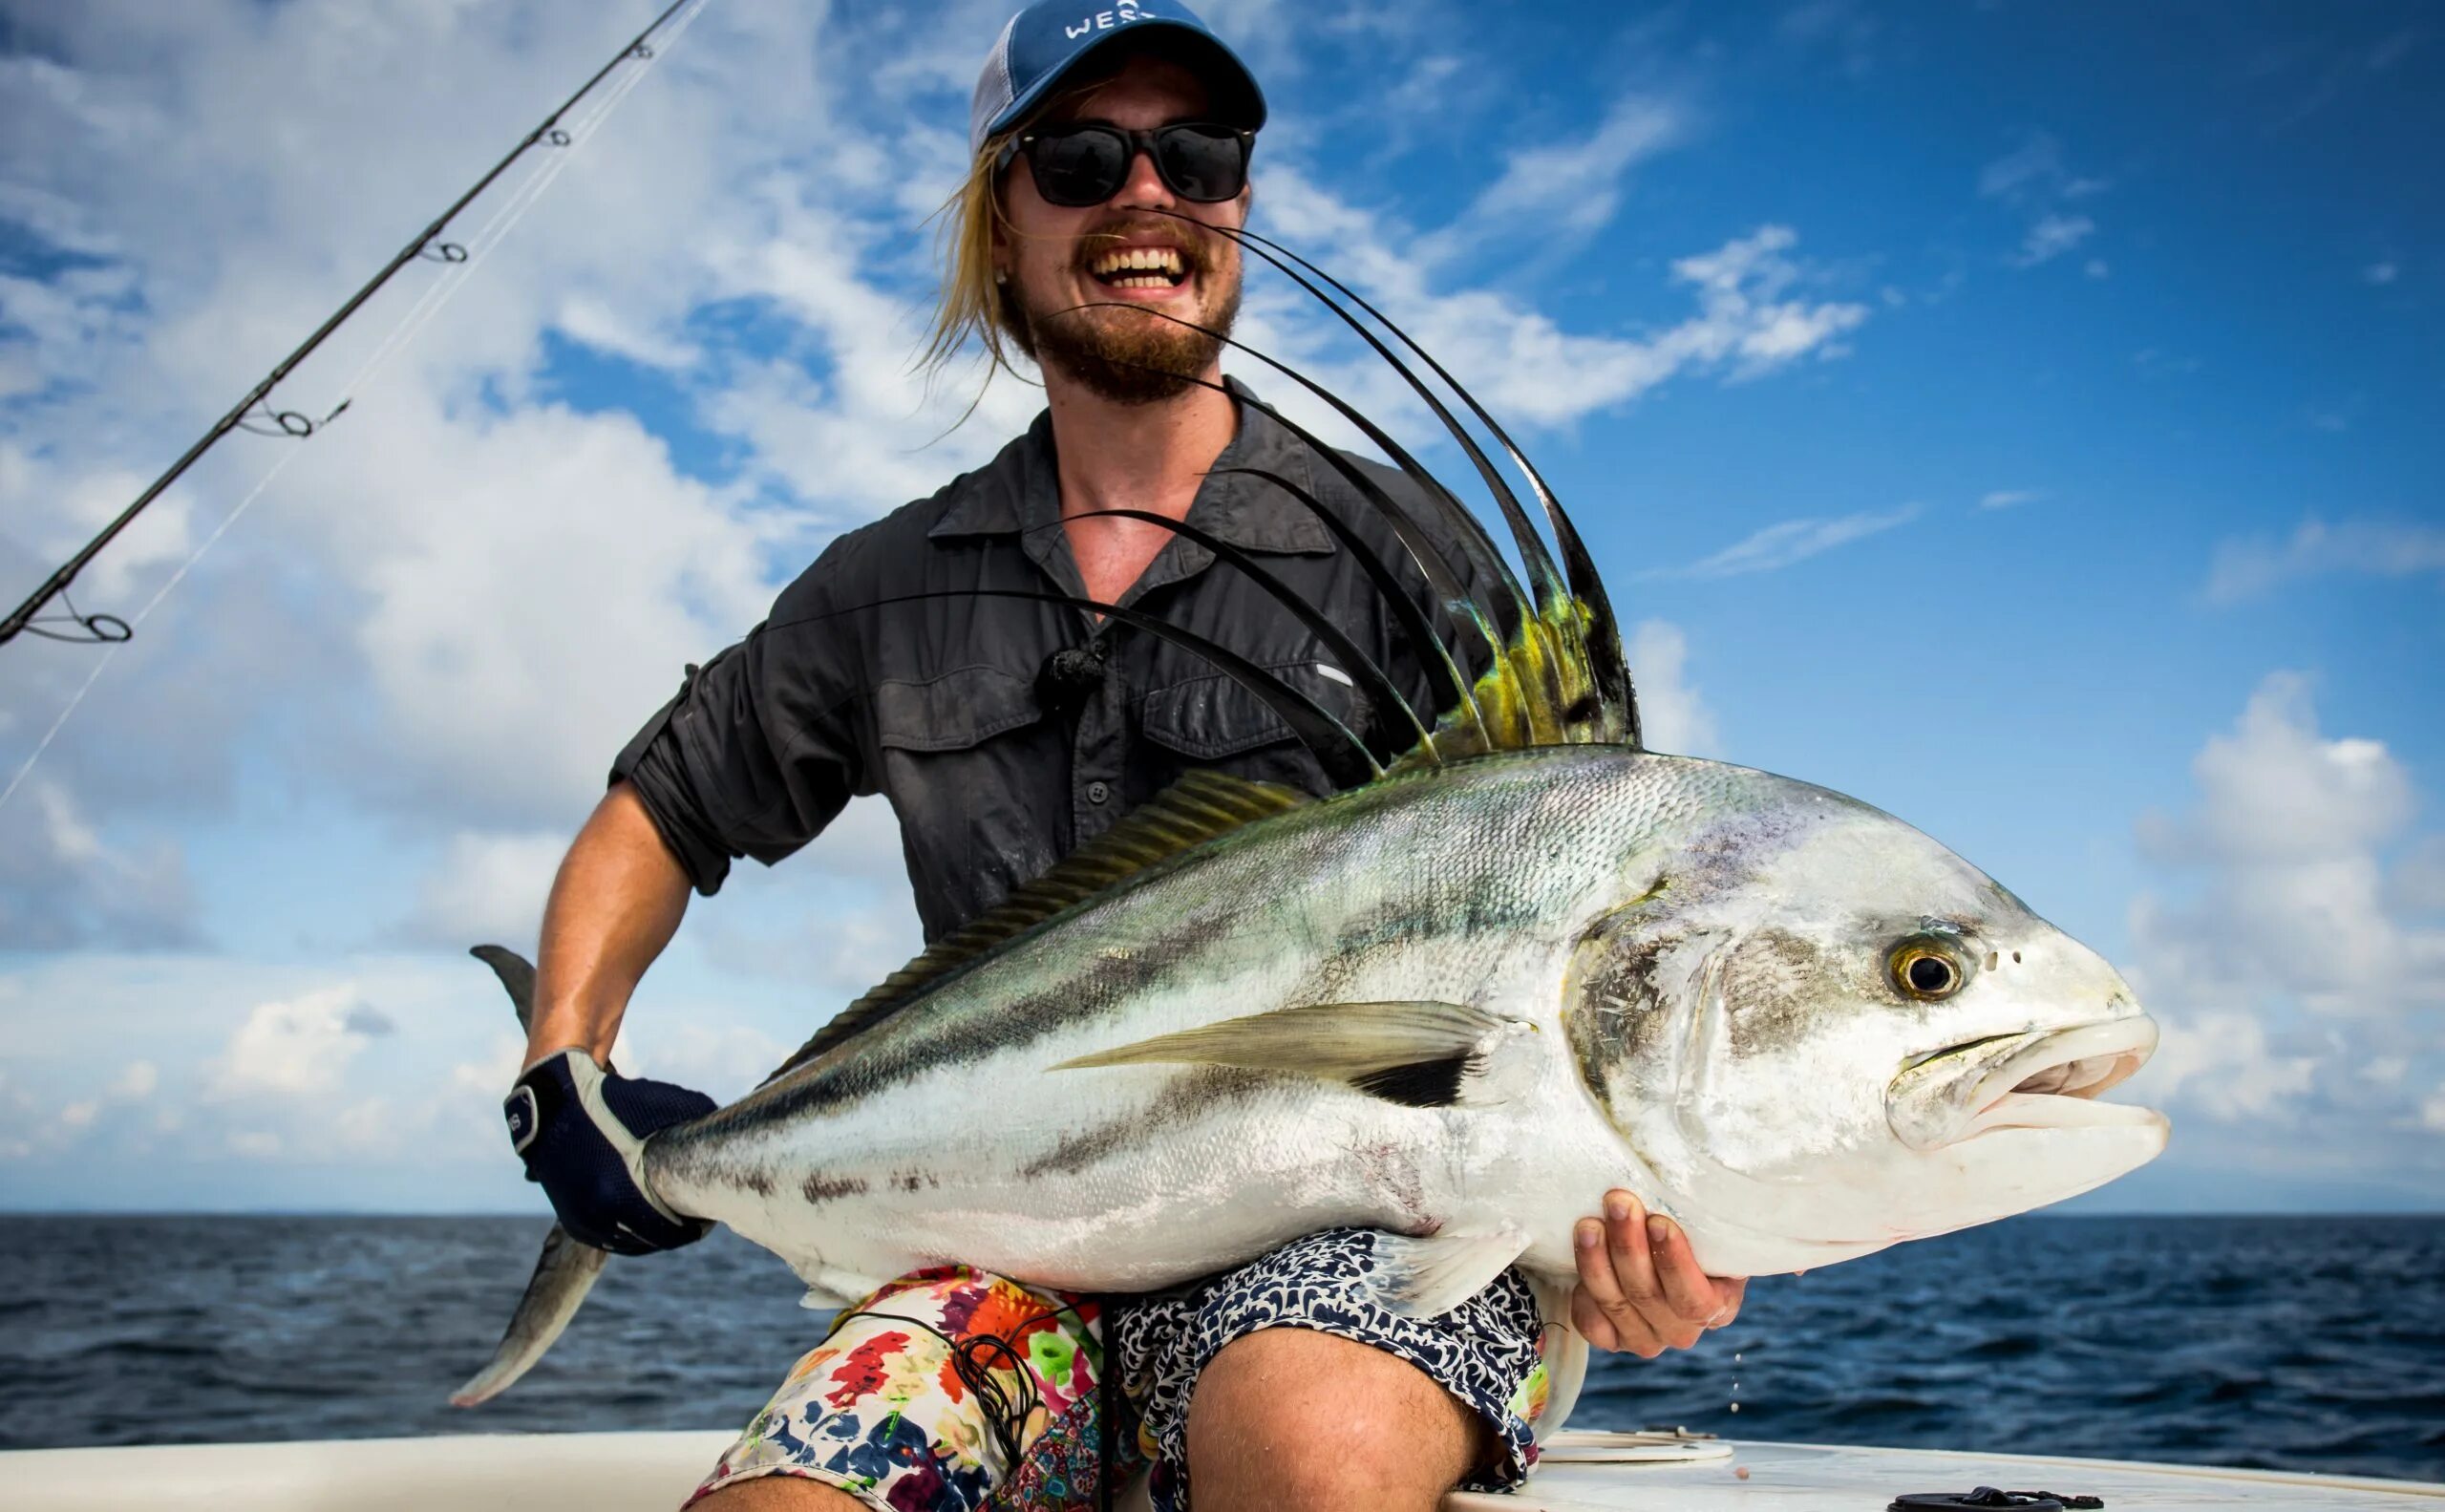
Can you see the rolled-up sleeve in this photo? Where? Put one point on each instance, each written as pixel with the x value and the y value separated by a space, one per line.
pixel 758 752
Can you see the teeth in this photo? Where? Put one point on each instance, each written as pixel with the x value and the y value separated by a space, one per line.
pixel 1154 259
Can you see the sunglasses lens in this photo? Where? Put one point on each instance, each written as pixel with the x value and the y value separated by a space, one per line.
pixel 1204 163
pixel 1080 167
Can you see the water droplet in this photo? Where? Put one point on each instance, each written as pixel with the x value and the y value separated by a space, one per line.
pixel 1736 1407
pixel 1735 1356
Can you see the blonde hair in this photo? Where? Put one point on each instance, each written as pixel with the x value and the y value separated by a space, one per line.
pixel 975 301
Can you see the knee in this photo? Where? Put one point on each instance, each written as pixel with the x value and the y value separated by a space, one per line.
pixel 1302 1421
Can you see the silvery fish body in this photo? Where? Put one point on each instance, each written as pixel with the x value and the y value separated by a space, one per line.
pixel 1454 1005
pixel 1679 981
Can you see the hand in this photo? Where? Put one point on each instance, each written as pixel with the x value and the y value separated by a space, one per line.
pixel 582 1129
pixel 1640 1289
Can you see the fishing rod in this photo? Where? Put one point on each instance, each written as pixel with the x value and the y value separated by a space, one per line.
pixel 427 245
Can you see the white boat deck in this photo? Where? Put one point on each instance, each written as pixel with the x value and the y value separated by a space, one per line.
pixel 643 1471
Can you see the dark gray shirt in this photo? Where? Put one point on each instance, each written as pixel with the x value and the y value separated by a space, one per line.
pixel 995 769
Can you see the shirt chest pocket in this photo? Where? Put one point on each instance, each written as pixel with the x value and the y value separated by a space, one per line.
pixel 1213 718
pixel 966 763
pixel 953 712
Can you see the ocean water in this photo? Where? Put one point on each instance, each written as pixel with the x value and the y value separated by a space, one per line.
pixel 2289 1343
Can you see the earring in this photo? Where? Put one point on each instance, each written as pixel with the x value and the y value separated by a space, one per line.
pixel 1000 277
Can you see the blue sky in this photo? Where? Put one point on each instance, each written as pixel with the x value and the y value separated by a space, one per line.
pixel 2008 413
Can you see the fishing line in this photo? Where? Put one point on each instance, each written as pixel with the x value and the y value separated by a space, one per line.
pixel 1006 1415
pixel 463 260
pixel 427 245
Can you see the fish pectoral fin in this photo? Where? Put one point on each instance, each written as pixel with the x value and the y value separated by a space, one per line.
pixel 1565 1352
pixel 830 1286
pixel 1420 1054
pixel 1427 1277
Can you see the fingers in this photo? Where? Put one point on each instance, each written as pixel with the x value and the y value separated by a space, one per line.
pixel 1597 1307
pixel 1616 1276
pixel 1688 1290
pixel 1641 1287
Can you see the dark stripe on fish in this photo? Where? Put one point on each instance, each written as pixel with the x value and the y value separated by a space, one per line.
pixel 1191 1095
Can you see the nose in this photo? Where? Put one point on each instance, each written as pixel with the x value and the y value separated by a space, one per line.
pixel 1144 189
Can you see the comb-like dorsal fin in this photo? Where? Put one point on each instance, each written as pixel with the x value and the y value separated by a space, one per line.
pixel 1559 677
pixel 1201 806
pixel 1607 666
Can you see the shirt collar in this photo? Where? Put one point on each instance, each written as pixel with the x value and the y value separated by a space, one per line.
pixel 1020 490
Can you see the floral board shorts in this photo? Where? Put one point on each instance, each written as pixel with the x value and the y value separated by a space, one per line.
pixel 957 1391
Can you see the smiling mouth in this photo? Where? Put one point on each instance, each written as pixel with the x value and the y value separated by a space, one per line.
pixel 1140 267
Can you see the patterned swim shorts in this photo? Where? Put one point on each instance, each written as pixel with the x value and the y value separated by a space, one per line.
pixel 885 1410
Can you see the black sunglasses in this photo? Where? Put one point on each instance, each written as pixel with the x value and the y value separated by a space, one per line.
pixel 1086 162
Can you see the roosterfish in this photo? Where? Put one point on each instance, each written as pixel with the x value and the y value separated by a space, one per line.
pixel 1520 961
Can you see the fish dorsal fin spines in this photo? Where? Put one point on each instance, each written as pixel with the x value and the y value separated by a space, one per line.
pixel 1201 806
pixel 1555 674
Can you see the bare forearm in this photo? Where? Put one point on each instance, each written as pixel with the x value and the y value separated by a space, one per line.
pixel 615 903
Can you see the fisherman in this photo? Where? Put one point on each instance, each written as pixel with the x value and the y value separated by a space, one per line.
pixel 1109 144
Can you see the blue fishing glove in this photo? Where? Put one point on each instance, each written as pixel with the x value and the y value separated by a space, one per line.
pixel 582 1129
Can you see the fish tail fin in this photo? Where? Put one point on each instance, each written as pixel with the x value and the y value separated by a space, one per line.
pixel 516 978
pixel 563 1274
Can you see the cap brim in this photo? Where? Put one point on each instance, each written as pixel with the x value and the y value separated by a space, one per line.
pixel 1236 101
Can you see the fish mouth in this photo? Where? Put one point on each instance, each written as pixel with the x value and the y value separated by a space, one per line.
pixel 2034 1079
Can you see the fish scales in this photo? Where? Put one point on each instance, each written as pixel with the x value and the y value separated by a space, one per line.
pixel 1455 1006
pixel 1426 871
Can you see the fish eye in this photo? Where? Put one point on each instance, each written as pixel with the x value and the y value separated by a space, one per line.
pixel 1925 970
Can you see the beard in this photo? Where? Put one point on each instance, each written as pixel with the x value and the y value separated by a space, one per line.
pixel 1128 356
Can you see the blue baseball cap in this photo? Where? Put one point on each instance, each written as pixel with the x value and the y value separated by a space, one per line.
pixel 1049 39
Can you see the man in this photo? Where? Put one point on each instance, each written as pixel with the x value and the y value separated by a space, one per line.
pixel 1006 734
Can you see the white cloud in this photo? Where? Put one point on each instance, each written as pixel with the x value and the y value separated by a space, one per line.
pixel 488 889
pixel 1573 186
pixel 2380 273
pixel 2220 1064
pixel 2035 172
pixel 2011 497
pixel 1673 715
pixel 2418 881
pixel 2385 1070
pixel 63 884
pixel 2096 268
pixel 2294 993
pixel 296 1047
pixel 2249 566
pixel 2052 236
pixel 1791 540
pixel 2432 1112
pixel 2035 180
pixel 138 1081
pixel 2290 840
pixel 1519 362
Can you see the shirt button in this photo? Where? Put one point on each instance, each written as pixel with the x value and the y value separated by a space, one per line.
pixel 1096 792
